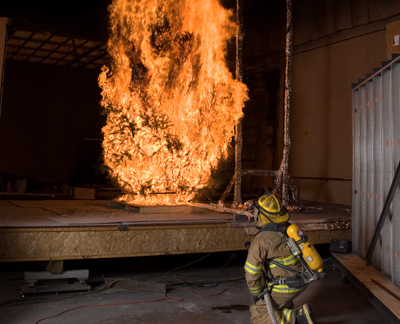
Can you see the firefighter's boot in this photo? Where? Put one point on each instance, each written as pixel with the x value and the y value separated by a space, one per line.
pixel 304 315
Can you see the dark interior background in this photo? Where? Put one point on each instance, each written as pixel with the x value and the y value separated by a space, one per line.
pixel 50 122
pixel 51 119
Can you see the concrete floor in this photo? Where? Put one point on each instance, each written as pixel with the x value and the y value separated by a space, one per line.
pixel 205 288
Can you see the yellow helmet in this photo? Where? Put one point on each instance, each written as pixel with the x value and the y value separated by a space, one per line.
pixel 270 210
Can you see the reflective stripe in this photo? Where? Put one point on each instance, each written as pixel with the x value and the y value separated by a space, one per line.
pixel 286 314
pixel 255 290
pixel 289 260
pixel 307 313
pixel 252 268
pixel 284 289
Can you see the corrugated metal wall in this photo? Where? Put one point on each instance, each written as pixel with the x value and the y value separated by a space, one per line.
pixel 376 140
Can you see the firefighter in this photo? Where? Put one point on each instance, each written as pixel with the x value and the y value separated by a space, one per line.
pixel 270 259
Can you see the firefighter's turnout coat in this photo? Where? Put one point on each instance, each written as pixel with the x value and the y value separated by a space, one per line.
pixel 270 244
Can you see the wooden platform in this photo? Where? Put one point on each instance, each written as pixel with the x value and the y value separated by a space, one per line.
pixel 382 293
pixel 43 230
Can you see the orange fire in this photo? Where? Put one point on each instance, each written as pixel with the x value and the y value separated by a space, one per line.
pixel 171 102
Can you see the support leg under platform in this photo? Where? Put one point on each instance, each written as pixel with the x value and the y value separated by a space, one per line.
pixel 46 282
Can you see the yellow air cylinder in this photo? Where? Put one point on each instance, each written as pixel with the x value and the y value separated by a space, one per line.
pixel 310 254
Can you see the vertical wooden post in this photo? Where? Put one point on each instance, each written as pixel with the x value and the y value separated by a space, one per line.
pixel 282 178
pixel 238 138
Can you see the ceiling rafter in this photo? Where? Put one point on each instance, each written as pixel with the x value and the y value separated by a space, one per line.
pixel 49 48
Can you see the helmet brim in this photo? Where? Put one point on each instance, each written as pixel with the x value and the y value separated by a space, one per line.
pixel 283 217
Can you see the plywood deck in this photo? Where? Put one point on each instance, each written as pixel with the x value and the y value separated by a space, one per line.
pixel 66 213
pixel 42 230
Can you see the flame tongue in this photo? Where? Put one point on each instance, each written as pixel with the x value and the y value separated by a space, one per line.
pixel 170 99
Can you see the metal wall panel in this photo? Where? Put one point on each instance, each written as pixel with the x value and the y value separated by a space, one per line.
pixel 376 154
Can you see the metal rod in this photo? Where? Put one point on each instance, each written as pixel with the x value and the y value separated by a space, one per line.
pixel 322 178
pixel 226 192
pixel 239 139
pixel 283 172
pixel 259 173
pixel 385 210
pixel 251 172
pixel 223 209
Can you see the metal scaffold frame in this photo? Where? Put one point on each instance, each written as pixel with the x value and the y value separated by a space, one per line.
pixel 282 180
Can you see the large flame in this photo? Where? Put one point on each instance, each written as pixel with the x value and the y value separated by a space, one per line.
pixel 171 102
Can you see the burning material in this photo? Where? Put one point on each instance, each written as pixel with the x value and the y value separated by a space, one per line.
pixel 171 102
pixel 283 179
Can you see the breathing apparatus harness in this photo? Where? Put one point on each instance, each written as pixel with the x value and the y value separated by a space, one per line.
pixel 299 245
pixel 299 279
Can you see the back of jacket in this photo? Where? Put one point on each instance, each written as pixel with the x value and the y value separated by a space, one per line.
pixel 265 246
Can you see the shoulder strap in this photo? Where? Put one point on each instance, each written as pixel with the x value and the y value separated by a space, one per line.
pixel 283 266
pixel 281 228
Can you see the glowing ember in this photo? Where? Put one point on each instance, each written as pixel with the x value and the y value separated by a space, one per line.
pixel 171 102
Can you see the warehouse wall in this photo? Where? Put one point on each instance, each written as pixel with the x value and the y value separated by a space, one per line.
pixel 335 44
pixel 50 116
pixel 321 158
